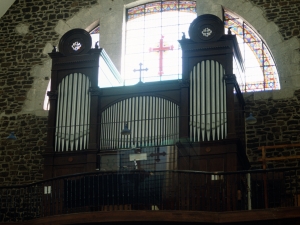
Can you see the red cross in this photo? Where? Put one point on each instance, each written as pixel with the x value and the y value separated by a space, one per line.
pixel 161 49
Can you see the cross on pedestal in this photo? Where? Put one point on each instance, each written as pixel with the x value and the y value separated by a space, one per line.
pixel 146 69
pixel 157 154
pixel 161 49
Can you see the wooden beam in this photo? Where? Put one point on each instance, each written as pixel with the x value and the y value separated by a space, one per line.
pixel 280 158
pixel 290 215
pixel 279 146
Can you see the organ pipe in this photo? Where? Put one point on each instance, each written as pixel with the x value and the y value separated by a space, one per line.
pixel 73 113
pixel 208 120
pixel 153 121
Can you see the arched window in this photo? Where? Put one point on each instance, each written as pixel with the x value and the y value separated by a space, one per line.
pixel 152 34
pixel 261 73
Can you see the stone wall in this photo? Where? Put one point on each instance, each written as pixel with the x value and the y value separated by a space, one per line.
pixel 284 13
pixel 27 31
pixel 278 122
pixel 21 160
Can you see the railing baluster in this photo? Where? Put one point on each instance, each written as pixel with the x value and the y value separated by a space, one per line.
pixel 83 193
pixel 53 197
pixel 57 189
pixel 167 190
pixel 102 191
pixel 66 191
pixel 98 190
pixel 296 203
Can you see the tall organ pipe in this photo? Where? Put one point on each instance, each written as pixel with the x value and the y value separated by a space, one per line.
pixel 153 121
pixel 73 113
pixel 208 120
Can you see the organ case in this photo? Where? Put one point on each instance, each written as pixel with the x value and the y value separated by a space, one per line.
pixel 201 116
pixel 213 135
pixel 72 142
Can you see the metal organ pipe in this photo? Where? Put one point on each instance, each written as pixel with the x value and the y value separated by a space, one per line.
pixel 73 113
pixel 153 121
pixel 208 121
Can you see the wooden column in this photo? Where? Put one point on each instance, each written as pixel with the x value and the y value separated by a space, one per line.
pixel 184 111
pixel 52 94
pixel 184 107
pixel 49 153
pixel 230 80
pixel 91 152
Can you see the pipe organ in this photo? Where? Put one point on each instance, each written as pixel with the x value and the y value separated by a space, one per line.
pixel 200 117
pixel 73 124
pixel 215 136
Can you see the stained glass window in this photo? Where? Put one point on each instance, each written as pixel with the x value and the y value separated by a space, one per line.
pixel 261 73
pixel 152 34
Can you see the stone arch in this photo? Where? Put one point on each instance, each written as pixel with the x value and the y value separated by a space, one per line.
pixel 112 12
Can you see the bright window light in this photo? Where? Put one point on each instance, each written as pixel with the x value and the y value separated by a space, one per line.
pixel 152 34
pixel 260 68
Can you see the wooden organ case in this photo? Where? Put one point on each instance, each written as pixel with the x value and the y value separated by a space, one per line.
pixel 200 117
pixel 215 127
pixel 72 144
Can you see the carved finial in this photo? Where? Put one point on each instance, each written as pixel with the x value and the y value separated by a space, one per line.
pixel 54 49
pixel 52 94
pixel 96 45
pixel 183 36
pixel 229 31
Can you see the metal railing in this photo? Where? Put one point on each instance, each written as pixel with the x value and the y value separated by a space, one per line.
pixel 146 190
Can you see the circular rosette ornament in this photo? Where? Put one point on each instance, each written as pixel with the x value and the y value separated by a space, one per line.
pixel 206 28
pixel 74 42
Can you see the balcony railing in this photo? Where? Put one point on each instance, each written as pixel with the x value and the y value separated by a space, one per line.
pixel 146 190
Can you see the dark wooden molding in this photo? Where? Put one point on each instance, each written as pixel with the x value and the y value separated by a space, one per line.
pixel 52 94
pixel 278 216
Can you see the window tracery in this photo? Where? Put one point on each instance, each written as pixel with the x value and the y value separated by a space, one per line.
pixel 261 72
